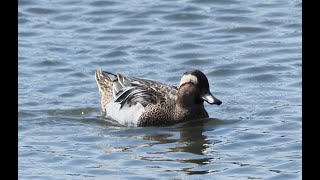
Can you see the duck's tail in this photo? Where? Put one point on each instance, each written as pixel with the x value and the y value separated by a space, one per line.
pixel 105 84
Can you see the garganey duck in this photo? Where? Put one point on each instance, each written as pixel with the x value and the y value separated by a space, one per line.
pixel 140 102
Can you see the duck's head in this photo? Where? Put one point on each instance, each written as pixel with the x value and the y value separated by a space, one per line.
pixel 194 88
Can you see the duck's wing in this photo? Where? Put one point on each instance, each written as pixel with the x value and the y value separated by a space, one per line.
pixel 130 96
pixel 165 90
pixel 128 90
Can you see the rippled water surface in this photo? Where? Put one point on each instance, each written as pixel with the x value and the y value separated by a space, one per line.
pixel 250 51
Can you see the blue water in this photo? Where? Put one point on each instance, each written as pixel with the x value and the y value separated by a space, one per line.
pixel 249 50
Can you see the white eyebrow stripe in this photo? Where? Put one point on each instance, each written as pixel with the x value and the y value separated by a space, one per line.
pixel 188 78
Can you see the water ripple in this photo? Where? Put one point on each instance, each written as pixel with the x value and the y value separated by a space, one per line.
pixel 247 30
pixel 103 3
pixel 41 11
pixel 185 17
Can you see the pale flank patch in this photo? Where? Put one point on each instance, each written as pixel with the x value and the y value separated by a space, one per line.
pixel 188 78
pixel 127 116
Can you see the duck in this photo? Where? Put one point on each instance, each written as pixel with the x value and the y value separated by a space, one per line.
pixel 140 102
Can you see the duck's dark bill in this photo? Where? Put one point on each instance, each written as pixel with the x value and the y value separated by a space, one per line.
pixel 211 99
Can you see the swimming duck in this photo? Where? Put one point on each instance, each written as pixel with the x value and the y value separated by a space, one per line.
pixel 140 102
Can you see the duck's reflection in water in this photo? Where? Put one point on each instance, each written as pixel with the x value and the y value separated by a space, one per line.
pixel 192 141
pixel 185 144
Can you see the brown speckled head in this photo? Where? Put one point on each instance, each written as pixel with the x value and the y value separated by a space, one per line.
pixel 189 95
pixel 197 86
